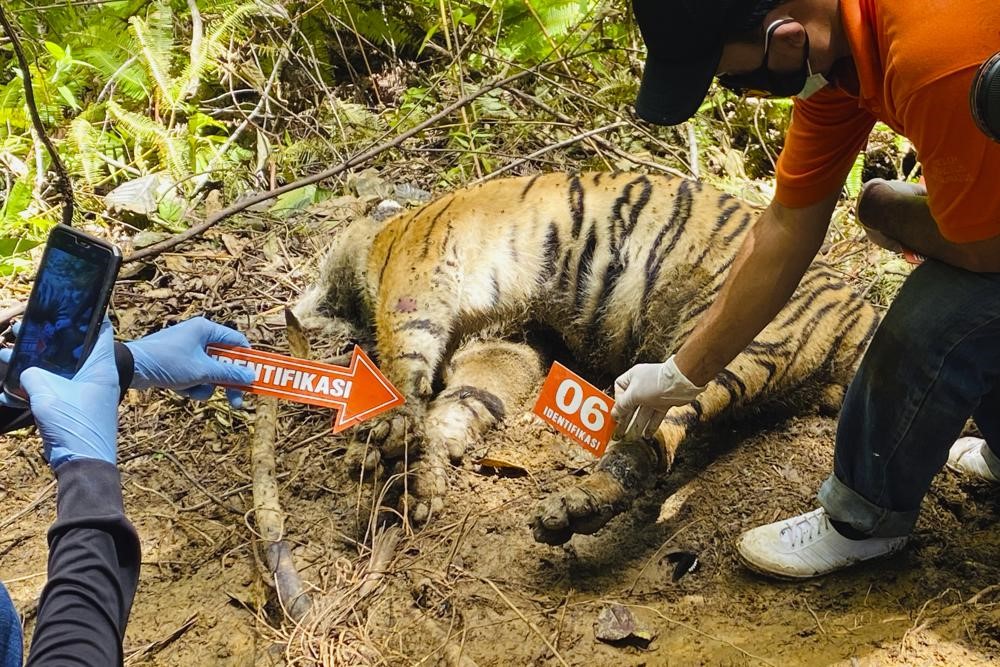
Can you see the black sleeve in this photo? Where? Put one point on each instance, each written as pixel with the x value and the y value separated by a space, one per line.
pixel 93 570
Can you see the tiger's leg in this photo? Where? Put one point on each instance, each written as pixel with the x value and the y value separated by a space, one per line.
pixel 628 467
pixel 485 381
pixel 414 323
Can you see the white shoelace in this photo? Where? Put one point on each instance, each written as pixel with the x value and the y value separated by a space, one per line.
pixel 805 528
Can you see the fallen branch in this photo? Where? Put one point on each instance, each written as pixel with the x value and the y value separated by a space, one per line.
pixel 268 515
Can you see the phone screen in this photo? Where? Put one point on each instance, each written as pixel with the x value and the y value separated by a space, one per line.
pixel 60 320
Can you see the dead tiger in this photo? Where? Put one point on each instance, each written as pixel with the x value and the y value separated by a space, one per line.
pixel 619 266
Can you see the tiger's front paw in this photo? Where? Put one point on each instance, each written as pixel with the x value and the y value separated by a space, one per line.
pixel 387 436
pixel 585 508
pixel 427 491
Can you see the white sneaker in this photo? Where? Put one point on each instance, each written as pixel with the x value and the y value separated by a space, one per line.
pixel 808 546
pixel 968 456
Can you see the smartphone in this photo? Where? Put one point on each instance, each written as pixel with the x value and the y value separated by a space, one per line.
pixel 66 307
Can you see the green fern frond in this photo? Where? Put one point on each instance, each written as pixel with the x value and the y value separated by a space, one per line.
pixel 155 38
pixel 110 54
pixel 136 125
pixel 86 158
pixel 525 38
pixel 232 20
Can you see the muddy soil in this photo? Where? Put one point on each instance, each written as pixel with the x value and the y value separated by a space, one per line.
pixel 473 585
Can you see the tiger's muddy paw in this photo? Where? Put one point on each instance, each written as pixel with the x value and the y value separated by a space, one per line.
pixel 363 458
pixel 622 474
pixel 581 509
pixel 422 510
pixel 427 492
pixel 392 434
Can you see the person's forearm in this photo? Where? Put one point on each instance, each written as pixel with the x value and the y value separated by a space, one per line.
pixel 896 212
pixel 769 266
pixel 93 570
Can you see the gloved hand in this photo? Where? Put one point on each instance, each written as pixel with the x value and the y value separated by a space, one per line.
pixel 644 393
pixel 78 418
pixel 175 358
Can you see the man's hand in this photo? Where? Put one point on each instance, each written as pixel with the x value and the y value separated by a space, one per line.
pixel 175 358
pixel 78 418
pixel 644 393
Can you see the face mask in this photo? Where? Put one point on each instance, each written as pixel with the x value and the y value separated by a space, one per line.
pixel 762 82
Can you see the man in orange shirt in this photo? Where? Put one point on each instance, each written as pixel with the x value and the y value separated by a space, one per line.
pixel 935 359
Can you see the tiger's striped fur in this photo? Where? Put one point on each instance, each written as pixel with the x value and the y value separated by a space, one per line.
pixel 619 266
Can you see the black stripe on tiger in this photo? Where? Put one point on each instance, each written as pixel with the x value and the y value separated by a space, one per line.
pixel 576 205
pixel 687 416
pixel 531 184
pixel 612 272
pixel 808 329
pixel 414 356
pixel 807 302
pixel 739 228
pixel 733 385
pixel 678 218
pixel 433 226
pixel 635 208
pixel 388 258
pixel 550 253
pixel 720 222
pixel 851 319
pixel 423 324
pixel 583 268
pixel 488 400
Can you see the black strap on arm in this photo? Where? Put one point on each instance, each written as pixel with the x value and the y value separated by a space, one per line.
pixel 12 419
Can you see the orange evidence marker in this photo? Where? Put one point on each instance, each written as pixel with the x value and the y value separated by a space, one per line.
pixel 357 393
pixel 576 408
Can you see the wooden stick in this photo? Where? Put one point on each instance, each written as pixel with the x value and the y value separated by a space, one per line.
pixel 268 516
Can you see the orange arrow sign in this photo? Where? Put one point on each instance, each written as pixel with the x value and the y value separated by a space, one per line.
pixel 358 392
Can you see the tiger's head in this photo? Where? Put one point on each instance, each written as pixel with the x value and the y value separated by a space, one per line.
pixel 336 310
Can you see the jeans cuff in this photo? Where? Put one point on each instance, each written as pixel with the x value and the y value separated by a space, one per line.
pixel 845 504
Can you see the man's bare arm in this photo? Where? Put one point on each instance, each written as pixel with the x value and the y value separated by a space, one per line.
pixel 768 268
pixel 900 212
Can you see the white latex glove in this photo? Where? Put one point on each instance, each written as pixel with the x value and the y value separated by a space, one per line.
pixel 644 393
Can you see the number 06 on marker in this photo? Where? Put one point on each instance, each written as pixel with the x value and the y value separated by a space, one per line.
pixel 576 408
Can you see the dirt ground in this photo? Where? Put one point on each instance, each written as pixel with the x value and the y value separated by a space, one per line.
pixel 473 585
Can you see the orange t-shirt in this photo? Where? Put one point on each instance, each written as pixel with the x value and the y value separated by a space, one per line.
pixel 915 62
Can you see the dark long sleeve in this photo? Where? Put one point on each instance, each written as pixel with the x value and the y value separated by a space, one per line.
pixel 93 571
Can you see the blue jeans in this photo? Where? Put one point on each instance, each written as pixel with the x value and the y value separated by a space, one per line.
pixel 10 632
pixel 933 363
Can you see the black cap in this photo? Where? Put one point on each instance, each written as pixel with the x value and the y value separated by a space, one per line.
pixel 684 40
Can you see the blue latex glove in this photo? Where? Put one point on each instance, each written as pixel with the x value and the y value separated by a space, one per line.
pixel 78 418
pixel 175 358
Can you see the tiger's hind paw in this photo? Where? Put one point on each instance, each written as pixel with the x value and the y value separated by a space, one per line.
pixel 585 508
